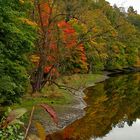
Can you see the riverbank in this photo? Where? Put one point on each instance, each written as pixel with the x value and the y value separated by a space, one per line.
pixel 68 102
pixel 74 109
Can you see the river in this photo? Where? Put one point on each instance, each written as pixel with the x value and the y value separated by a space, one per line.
pixel 113 112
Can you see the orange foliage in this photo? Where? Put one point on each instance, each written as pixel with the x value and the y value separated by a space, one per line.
pixel 68 132
pixel 45 13
pixel 53 72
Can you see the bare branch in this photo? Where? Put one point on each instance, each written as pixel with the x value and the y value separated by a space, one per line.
pixel 29 124
pixel 71 89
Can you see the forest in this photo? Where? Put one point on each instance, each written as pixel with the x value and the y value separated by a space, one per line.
pixel 44 40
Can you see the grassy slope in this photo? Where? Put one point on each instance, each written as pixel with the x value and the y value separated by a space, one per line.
pixel 54 95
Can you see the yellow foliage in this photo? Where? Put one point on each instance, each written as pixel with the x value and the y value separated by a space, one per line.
pixel 29 22
pixel 21 1
pixel 95 30
pixel 40 130
pixel 35 58
pixel 137 62
pixel 33 137
pixel 93 42
pixel 116 49
pixel 114 34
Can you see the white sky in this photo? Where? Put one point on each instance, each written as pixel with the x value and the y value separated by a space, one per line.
pixel 127 3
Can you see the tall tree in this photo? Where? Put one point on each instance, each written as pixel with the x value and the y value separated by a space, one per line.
pixel 56 45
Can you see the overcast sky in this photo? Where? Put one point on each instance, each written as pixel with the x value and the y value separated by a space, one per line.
pixel 127 3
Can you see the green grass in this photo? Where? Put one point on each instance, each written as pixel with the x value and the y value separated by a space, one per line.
pixel 81 80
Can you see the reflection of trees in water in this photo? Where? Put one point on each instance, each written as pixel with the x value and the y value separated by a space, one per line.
pixel 112 103
pixel 129 122
pixel 125 121
pixel 121 124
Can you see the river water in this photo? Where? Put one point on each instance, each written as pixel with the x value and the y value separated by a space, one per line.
pixel 113 112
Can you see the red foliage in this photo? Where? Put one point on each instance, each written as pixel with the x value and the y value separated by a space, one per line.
pixel 51 58
pixel 53 47
pixel 69 37
pixel 53 71
pixel 62 24
pixel 69 31
pixel 47 69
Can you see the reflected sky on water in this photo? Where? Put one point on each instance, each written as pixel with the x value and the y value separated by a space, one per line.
pixel 125 133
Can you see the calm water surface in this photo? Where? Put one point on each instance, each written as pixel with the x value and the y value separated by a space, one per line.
pixel 113 112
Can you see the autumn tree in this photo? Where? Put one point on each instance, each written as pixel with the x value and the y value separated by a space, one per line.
pixel 57 47
pixel 134 18
pixel 119 37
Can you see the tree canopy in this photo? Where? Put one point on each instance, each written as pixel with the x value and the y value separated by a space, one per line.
pixel 16 42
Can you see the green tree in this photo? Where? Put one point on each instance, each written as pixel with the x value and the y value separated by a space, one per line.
pixel 131 10
pixel 17 38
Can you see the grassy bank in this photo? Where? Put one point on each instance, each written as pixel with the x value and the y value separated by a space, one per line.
pixel 56 96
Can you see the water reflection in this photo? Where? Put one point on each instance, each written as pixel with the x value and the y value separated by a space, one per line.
pixel 127 133
pixel 113 112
